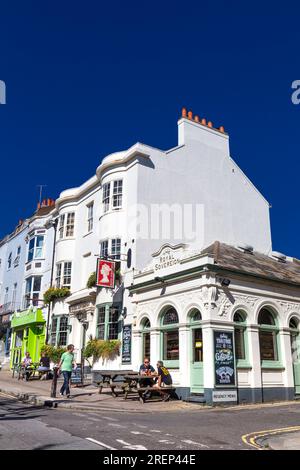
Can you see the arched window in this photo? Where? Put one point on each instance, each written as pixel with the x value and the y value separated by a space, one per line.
pixel 268 332
pixel 295 347
pixel 195 315
pixel 170 337
pixel 197 339
pixel 240 335
pixel 146 325
pixel 294 323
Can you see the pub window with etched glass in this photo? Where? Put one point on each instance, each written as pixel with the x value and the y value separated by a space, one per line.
pixel 239 335
pixel 268 332
pixel 108 322
pixel 170 335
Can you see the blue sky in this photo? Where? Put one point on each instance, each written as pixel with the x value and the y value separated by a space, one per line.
pixel 85 79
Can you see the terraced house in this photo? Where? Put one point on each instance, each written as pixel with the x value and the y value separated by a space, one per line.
pixel 198 284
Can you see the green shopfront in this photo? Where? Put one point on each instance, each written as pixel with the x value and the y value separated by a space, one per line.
pixel 28 334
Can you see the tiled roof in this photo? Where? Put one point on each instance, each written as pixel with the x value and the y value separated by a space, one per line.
pixel 255 263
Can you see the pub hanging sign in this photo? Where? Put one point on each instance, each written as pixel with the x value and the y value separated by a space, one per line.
pixel 105 274
pixel 224 358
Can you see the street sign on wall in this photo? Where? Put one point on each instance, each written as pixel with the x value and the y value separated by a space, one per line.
pixel 224 358
pixel 105 274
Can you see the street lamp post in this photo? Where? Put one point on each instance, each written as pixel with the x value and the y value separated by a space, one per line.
pixel 53 223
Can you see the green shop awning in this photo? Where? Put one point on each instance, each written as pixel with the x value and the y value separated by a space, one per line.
pixel 27 317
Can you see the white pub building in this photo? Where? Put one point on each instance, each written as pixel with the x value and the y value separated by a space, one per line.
pixel 200 287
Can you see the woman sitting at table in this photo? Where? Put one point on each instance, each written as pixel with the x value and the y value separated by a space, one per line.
pixel 44 366
pixel 27 366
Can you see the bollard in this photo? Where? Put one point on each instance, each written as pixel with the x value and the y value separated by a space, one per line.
pixel 54 382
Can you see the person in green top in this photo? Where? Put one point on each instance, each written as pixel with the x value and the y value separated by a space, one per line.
pixel 65 365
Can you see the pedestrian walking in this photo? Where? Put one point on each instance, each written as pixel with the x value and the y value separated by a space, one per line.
pixel 65 365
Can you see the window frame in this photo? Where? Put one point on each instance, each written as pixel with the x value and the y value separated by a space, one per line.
pixel 106 197
pixel 32 251
pixel 66 225
pixel 62 273
pixel 90 216
pixel 58 331
pixel 270 363
pixel 165 329
pixel 29 295
pixel 9 261
pixel 241 326
pixel 106 310
pixel 117 195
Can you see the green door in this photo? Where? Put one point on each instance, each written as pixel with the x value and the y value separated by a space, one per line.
pixel 295 345
pixel 197 361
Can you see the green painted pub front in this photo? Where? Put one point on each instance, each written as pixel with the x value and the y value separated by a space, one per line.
pixel 28 334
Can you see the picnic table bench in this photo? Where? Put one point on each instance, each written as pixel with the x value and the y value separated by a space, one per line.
pixel 28 372
pixel 134 386
pixel 113 379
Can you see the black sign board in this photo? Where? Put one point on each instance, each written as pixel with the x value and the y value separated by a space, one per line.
pixel 126 345
pixel 76 376
pixel 224 359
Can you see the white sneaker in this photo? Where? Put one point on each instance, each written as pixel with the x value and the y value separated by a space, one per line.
pixel 61 394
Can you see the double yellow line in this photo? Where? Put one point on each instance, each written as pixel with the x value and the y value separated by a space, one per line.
pixel 250 439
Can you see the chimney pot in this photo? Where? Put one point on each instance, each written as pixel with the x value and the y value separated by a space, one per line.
pixel 183 112
pixel 209 124
pixel 203 121
pixel 197 118
pixel 221 129
pixel 190 115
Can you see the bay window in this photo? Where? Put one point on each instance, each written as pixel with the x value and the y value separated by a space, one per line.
pixel 117 194
pixel 66 225
pixel 32 291
pixel 35 249
pixel 64 274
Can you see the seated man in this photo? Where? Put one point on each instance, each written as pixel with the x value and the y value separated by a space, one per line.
pixel 147 370
pixel 44 366
pixel 164 378
pixel 26 365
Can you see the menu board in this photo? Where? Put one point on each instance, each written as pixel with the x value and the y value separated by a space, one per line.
pixel 76 376
pixel 126 344
pixel 224 358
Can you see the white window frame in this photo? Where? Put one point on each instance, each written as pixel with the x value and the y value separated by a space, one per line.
pixel 116 248
pixel 37 251
pixel 106 197
pixel 64 274
pixel 29 294
pixel 90 216
pixel 104 248
pixel 117 198
pixel 66 225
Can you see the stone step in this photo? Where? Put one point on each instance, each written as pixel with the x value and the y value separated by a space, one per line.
pixel 195 398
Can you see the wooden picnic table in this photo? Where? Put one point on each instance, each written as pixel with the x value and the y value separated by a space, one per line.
pixel 109 378
pixel 135 387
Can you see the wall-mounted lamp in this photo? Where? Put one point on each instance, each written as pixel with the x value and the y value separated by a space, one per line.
pixel 225 282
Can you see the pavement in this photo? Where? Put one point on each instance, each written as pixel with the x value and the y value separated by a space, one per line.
pixel 87 398
pixel 84 397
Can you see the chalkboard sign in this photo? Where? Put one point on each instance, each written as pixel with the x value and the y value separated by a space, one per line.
pixel 76 376
pixel 224 359
pixel 126 345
